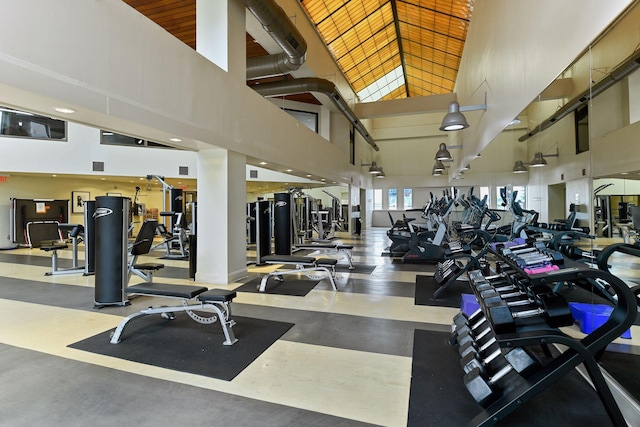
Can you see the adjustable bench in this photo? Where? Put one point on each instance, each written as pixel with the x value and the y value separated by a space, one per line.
pixel 142 246
pixel 193 298
pixel 302 263
pixel 75 233
pixel 331 249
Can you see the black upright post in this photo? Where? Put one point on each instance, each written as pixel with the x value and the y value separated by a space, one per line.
pixel 111 230
pixel 252 218
pixel 89 238
pixel 262 215
pixel 282 223
pixel 176 205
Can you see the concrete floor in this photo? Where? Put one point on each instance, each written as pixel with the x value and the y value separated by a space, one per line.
pixel 346 361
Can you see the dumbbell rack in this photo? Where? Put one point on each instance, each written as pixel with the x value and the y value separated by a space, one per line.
pixel 578 351
pixel 448 280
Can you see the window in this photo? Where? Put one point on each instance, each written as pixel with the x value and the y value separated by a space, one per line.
pixel 484 191
pixel 582 129
pixel 310 120
pixel 377 199
pixel 112 138
pixel 408 198
pixel 393 198
pixel 521 196
pixel 29 125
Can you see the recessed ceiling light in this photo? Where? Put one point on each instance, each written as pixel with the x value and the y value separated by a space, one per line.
pixel 64 110
pixel 103 179
pixel 263 163
pixel 141 179
pixel 175 140
pixel 54 175
pixel 308 176
pixel 289 170
pixel 322 179
pixel 624 173
pixel 107 133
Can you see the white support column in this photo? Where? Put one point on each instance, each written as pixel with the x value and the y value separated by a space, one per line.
pixel 221 245
pixel 220 34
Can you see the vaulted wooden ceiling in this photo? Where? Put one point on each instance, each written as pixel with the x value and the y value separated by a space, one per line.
pixel 387 49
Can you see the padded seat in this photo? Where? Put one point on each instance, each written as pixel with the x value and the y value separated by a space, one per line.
pixel 326 262
pixel 54 247
pixel 148 266
pixel 217 295
pixel 166 290
pixel 287 259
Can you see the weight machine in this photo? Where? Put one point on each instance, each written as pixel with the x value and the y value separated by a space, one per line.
pixel 174 235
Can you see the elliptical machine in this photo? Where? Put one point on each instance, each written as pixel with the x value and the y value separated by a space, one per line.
pixel 430 249
pixel 400 233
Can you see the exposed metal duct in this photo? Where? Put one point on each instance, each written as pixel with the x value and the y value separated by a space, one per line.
pixel 278 25
pixel 312 84
pixel 621 71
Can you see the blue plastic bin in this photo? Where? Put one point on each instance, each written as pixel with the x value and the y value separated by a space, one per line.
pixel 469 304
pixel 591 316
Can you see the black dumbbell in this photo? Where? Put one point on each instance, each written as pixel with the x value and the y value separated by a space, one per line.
pixel 517 357
pixel 485 390
pixel 527 296
pixel 462 322
pixel 479 348
pixel 553 308
pixel 472 360
pixel 470 335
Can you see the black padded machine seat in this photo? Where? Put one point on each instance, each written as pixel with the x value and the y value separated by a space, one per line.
pixel 194 298
pixel 302 263
pixel 153 266
pixel 54 247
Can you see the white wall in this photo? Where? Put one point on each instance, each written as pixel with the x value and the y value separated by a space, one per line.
pixel 120 71
pixel 82 148
pixel 514 50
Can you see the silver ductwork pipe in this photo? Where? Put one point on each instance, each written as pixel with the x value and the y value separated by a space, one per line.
pixel 312 84
pixel 623 69
pixel 278 25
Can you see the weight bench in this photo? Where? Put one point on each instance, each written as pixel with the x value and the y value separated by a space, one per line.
pixel 193 298
pixel 142 246
pixel 302 263
pixel 75 233
pixel 331 249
